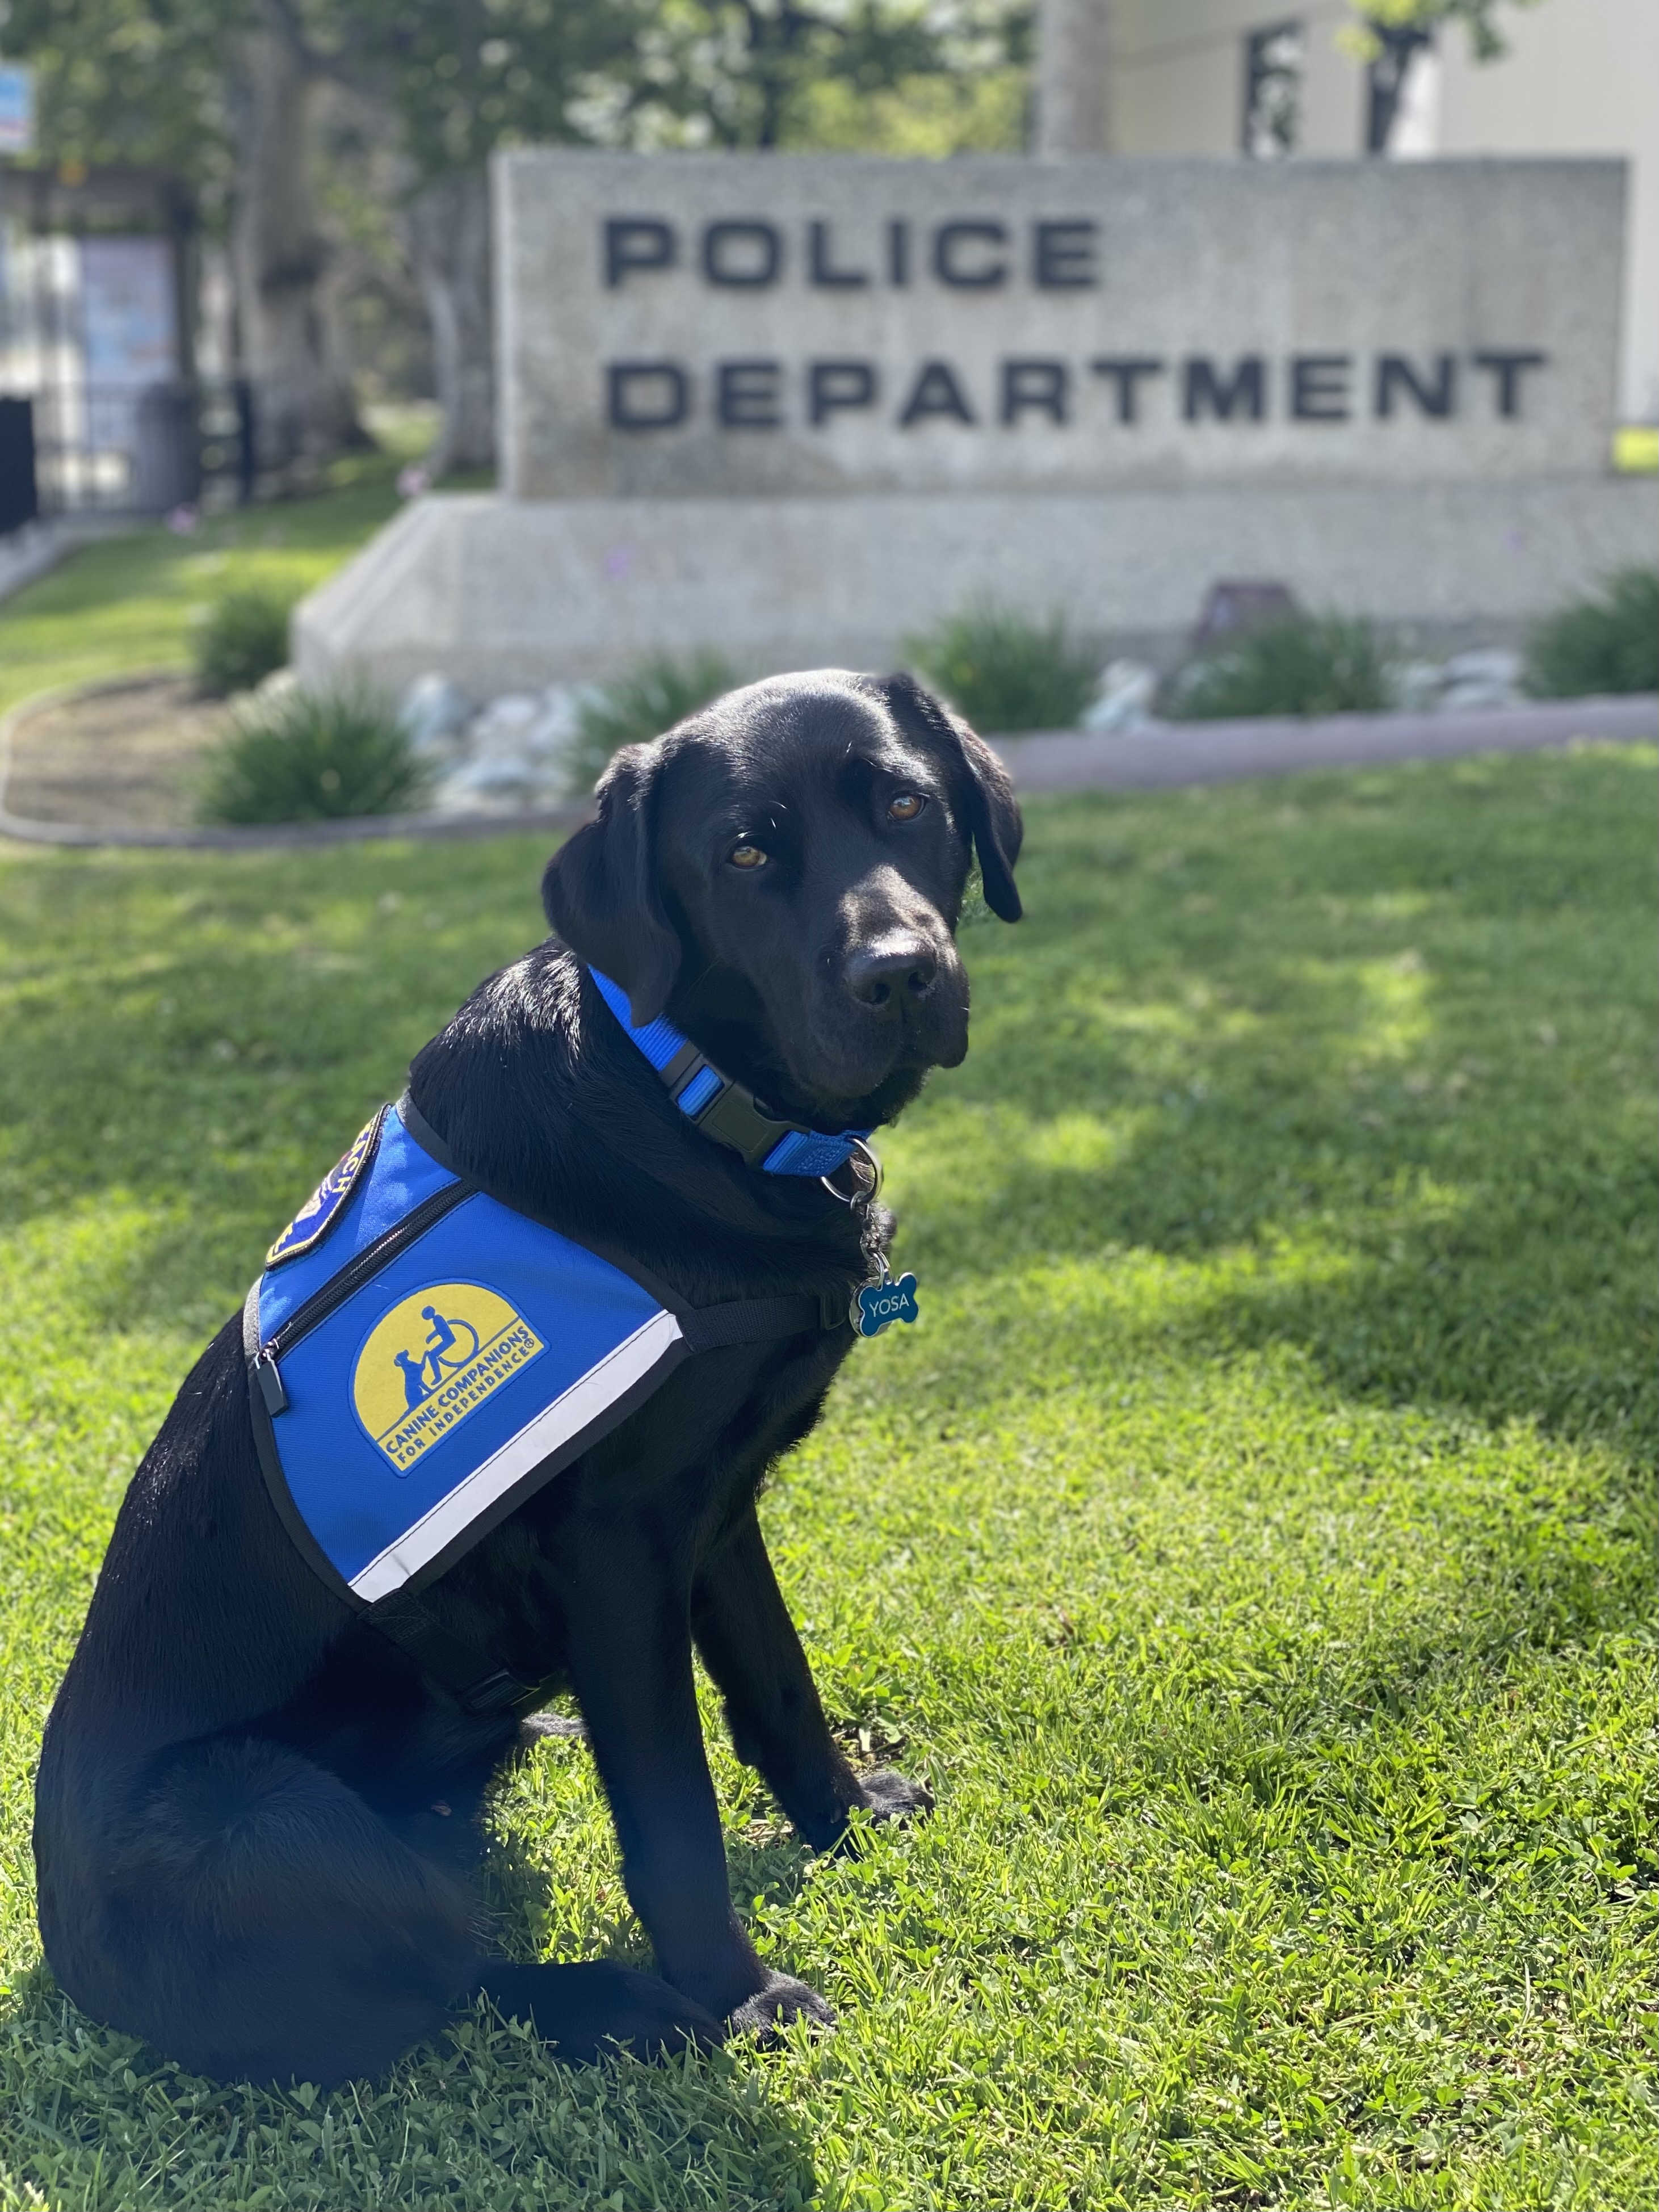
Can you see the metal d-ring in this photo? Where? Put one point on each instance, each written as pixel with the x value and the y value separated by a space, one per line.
pixel 868 1190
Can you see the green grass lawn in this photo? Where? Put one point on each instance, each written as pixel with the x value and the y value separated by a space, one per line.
pixel 1253 1545
pixel 129 602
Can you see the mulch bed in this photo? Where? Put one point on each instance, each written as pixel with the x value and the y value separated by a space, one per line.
pixel 118 756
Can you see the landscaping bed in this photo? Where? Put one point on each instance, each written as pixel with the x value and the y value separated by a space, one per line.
pixel 121 755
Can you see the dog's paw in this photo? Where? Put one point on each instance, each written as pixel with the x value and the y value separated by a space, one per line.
pixel 894 1797
pixel 770 2010
pixel 890 1797
pixel 883 1797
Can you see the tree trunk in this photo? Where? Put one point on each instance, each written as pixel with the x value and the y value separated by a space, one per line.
pixel 449 243
pixel 1385 79
pixel 303 404
pixel 1073 71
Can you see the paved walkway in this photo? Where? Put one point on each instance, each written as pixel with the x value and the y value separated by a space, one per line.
pixel 1161 755
pixel 1168 753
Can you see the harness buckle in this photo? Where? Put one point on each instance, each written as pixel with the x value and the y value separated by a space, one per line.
pixel 497 1693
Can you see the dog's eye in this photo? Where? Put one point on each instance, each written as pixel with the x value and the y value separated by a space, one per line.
pixel 746 855
pixel 906 807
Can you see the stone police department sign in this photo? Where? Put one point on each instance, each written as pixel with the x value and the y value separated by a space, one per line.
pixel 685 324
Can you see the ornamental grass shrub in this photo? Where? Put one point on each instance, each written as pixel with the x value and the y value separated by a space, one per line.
pixel 1303 664
pixel 1005 671
pixel 638 708
pixel 242 640
pixel 1610 643
pixel 313 756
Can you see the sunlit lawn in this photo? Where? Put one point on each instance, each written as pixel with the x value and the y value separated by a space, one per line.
pixel 1253 1545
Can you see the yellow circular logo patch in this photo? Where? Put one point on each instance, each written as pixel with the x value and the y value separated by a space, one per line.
pixel 434 1358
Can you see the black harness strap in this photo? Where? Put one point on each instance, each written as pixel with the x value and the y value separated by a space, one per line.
pixel 468 1669
pixel 759 1321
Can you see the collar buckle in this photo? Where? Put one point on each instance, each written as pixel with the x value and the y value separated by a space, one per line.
pixel 713 1102
pixel 730 1114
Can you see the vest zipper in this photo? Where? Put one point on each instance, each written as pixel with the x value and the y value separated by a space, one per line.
pixel 338 1288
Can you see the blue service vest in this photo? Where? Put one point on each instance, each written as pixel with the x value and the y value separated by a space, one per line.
pixel 424 1358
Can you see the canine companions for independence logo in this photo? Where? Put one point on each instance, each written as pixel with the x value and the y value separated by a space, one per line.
pixel 434 1358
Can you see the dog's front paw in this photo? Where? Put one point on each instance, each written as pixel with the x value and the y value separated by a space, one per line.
pixel 890 1797
pixel 770 2010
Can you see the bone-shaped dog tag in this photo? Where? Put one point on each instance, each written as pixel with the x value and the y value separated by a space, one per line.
pixel 879 1305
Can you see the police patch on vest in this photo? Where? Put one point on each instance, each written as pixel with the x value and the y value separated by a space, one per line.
pixel 316 1217
pixel 433 1358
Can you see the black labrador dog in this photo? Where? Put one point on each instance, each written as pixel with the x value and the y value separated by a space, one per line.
pixel 255 1822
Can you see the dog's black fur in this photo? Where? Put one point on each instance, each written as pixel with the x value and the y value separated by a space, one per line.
pixel 256 1818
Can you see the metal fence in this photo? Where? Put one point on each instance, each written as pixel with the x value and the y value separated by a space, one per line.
pixel 119 450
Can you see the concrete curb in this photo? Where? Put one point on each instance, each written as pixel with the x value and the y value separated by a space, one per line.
pixel 1169 753
pixel 1160 756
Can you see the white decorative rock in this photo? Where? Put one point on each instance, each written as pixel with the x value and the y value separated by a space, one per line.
pixel 1487 677
pixel 500 729
pixel 434 713
pixel 1124 699
pixel 500 783
pixel 1416 686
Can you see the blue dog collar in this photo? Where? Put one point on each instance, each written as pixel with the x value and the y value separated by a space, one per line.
pixel 724 1109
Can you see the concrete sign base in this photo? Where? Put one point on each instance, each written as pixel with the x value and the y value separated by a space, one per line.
pixel 502 594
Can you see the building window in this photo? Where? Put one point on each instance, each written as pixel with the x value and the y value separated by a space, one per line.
pixel 1397 64
pixel 1273 59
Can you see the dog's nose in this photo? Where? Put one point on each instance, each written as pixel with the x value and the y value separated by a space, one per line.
pixel 884 975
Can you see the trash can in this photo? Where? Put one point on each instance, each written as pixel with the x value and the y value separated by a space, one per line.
pixel 166 461
pixel 19 496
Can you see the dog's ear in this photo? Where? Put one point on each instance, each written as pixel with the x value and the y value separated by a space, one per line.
pixel 600 891
pixel 992 811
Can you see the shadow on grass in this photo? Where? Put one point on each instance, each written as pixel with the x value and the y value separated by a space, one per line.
pixel 100 2119
pixel 1405 1276
pixel 1430 1170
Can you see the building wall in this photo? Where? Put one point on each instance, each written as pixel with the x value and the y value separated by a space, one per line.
pixel 1179 75
pixel 1580 76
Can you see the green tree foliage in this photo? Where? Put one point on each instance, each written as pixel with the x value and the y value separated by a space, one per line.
pixel 467 75
pixel 1382 21
pixel 142 81
pixel 752 73
pixel 130 81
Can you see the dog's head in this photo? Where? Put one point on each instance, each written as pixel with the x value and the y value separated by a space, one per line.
pixel 782 874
